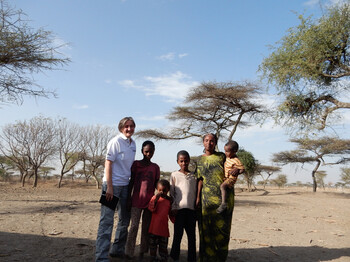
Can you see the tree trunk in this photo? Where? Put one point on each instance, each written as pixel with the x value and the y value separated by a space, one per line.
pixel 35 182
pixel 24 178
pixel 265 182
pixel 97 181
pixel 314 175
pixel 60 181
pixel 233 131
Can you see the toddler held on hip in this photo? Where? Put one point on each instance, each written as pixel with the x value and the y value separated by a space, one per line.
pixel 233 167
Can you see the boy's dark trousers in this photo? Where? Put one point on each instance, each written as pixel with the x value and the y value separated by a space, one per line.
pixel 185 219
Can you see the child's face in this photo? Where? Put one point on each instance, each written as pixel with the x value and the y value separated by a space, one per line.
pixel 183 162
pixel 229 152
pixel 148 152
pixel 162 189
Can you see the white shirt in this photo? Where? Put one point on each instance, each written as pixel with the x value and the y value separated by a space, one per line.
pixel 121 151
pixel 183 189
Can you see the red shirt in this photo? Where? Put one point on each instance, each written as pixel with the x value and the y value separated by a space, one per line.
pixel 145 179
pixel 160 214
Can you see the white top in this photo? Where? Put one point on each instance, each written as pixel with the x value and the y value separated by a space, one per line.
pixel 183 189
pixel 121 151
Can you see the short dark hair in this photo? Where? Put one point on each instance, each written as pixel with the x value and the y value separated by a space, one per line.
pixel 123 121
pixel 213 135
pixel 147 143
pixel 182 153
pixel 233 145
pixel 165 183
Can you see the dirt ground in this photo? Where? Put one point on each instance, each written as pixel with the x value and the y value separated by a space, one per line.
pixel 50 224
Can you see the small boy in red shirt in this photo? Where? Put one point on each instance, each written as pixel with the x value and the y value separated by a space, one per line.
pixel 160 206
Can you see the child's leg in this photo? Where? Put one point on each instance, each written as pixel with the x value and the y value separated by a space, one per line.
pixel 153 244
pixel 190 227
pixel 163 248
pixel 146 221
pixel 134 227
pixel 226 185
pixel 223 187
pixel 178 233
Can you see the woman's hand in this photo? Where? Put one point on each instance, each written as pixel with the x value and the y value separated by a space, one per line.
pixel 109 193
pixel 198 201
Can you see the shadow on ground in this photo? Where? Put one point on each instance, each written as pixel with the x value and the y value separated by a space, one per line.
pixel 24 247
pixel 289 253
pixel 30 248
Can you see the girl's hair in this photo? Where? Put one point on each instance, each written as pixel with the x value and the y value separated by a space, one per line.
pixel 165 183
pixel 123 122
pixel 233 145
pixel 211 134
pixel 183 153
pixel 147 143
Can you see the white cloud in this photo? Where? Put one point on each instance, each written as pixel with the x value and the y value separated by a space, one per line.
pixel 182 55
pixel 171 56
pixel 152 118
pixel 327 3
pixel 80 107
pixel 311 2
pixel 172 86
pixel 167 57
pixel 108 81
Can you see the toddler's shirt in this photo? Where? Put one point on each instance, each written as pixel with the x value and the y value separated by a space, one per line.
pixel 160 214
pixel 231 163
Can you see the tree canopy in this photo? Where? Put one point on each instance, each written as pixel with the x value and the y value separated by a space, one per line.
pixel 212 107
pixel 23 52
pixel 250 165
pixel 315 151
pixel 308 67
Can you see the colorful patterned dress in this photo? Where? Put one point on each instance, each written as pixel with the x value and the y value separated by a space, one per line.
pixel 214 228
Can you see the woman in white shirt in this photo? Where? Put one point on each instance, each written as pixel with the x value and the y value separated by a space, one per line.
pixel 119 158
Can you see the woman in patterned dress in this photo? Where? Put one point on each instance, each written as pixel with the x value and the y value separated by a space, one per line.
pixel 214 228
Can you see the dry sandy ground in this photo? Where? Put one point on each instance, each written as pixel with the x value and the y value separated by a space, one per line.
pixel 50 224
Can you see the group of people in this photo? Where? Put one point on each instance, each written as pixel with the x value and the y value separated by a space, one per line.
pixel 206 196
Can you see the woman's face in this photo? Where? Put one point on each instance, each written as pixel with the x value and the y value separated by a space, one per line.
pixel 209 143
pixel 128 129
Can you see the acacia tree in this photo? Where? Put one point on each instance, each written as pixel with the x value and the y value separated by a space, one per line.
pixel 309 67
pixel 95 140
pixel 269 170
pixel 31 141
pixel 315 151
pixel 24 51
pixel 14 150
pixel 280 181
pixel 68 146
pixel 250 166
pixel 212 107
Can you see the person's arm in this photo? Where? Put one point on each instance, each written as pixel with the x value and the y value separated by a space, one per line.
pixel 173 190
pixel 108 170
pixel 152 206
pixel 199 190
pixel 131 187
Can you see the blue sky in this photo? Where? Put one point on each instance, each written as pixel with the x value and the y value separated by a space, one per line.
pixel 139 57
